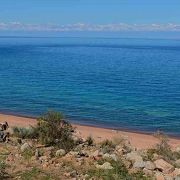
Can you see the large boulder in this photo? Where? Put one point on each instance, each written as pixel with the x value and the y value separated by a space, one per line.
pixel 139 164
pixel 110 156
pixel 105 166
pixel 163 166
pixel 147 172
pixel 150 165
pixel 60 152
pixel 134 156
pixel 25 147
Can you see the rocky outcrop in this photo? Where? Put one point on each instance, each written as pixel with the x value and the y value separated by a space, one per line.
pixel 163 166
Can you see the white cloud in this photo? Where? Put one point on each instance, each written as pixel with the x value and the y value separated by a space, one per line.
pixel 17 26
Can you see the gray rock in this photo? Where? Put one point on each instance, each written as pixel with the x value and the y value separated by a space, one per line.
pixel 177 162
pixel 25 147
pixel 177 178
pixel 134 156
pixel 96 154
pixel 37 154
pixel 60 152
pixel 110 156
pixel 178 148
pixel 73 173
pixel 105 166
pixel 150 165
pixel 147 172
pixel 139 164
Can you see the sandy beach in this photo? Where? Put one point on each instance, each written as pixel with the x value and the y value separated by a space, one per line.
pixel 138 140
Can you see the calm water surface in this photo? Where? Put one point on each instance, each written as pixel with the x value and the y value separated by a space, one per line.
pixel 129 84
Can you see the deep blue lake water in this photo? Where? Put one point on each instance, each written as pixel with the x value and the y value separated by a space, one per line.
pixel 131 84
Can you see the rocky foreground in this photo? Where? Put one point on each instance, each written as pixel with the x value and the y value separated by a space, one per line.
pixel 27 159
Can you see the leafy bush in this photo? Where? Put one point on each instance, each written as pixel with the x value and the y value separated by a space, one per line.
pixel 51 129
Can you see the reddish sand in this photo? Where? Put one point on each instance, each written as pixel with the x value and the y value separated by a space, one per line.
pixel 138 140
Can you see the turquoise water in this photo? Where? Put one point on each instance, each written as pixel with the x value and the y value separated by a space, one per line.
pixel 131 84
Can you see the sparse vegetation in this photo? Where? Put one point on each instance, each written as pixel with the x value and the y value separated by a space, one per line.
pixel 89 140
pixel 25 133
pixel 118 172
pixel 51 129
pixel 107 146
pixel 3 173
pixel 48 151
pixel 33 174
pixel 164 149
pixel 27 154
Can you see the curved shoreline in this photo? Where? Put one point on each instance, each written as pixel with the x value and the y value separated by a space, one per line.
pixel 138 140
pixel 130 130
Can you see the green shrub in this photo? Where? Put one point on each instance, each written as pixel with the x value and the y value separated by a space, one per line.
pixel 51 129
pixel 25 133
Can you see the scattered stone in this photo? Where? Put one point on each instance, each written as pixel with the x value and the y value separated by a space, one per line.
pixel 163 166
pixel 48 151
pixel 177 178
pixel 159 176
pixel 37 154
pixel 73 173
pixel 110 156
pixel 120 150
pixel 156 157
pixel 127 163
pixel 139 164
pixel 150 165
pixel 167 177
pixel 10 157
pixel 176 172
pixel 73 153
pixel 25 147
pixel 60 152
pixel 105 166
pixel 178 149
pixel 177 163
pixel 96 153
pixel 134 156
pixel 147 172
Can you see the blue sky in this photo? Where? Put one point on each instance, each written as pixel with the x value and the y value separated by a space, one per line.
pixel 90 15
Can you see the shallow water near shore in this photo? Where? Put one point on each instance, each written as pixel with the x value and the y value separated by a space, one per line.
pixel 129 84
